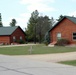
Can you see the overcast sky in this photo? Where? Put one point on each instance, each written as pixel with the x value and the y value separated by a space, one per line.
pixel 21 9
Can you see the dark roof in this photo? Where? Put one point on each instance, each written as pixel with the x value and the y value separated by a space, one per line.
pixel 73 19
pixel 7 30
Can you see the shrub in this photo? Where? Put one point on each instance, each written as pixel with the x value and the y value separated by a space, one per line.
pixel 62 42
pixel 46 43
pixel 47 38
pixel 21 41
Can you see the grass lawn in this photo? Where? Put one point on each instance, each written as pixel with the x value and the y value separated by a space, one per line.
pixel 72 62
pixel 36 49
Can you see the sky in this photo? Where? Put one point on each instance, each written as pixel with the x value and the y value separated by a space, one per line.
pixel 21 10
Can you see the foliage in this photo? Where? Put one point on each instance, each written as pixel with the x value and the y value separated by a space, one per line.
pixel 60 17
pixel 43 25
pixel 13 23
pixel 20 41
pixel 52 22
pixel 31 27
pixel 38 26
pixel 1 25
pixel 45 42
pixel 47 38
pixel 62 42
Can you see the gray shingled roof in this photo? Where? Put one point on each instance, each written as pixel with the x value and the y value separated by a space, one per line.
pixel 7 30
pixel 73 19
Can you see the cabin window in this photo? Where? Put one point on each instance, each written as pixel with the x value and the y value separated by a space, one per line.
pixel 14 38
pixel 20 37
pixel 58 35
pixel 74 36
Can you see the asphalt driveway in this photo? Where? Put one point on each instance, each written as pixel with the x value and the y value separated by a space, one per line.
pixel 13 65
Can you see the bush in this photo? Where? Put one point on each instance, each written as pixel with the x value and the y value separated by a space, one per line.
pixel 62 42
pixel 47 38
pixel 21 41
pixel 46 43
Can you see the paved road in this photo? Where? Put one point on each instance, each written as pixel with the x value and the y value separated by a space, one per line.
pixel 13 65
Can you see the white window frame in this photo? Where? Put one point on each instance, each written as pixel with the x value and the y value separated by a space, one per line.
pixel 20 37
pixel 58 35
pixel 14 37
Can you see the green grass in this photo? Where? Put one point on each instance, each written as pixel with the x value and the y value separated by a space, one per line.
pixel 72 62
pixel 36 49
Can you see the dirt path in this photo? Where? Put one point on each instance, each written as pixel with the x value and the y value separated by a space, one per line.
pixel 17 45
pixel 52 57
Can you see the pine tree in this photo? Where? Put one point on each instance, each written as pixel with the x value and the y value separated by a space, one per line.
pixel 13 23
pixel 31 27
pixel 60 17
pixel 1 25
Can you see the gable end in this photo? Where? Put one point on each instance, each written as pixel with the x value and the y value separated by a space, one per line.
pixel 73 19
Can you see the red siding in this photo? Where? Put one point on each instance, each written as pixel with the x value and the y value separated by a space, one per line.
pixel 66 28
pixel 5 39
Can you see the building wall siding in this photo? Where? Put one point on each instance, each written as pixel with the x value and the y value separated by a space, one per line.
pixel 5 39
pixel 66 28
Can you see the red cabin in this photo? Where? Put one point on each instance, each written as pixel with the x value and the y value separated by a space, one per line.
pixel 65 28
pixel 9 35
